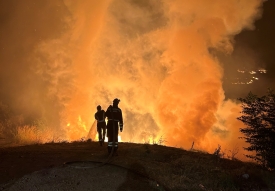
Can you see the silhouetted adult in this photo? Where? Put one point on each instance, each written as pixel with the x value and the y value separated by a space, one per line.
pixel 115 120
pixel 101 124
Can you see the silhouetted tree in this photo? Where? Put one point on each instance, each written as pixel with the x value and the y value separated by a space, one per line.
pixel 258 114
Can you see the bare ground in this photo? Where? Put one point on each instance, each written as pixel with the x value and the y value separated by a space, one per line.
pixel 75 166
pixel 84 166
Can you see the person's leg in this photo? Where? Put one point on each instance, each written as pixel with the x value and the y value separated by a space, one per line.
pixel 99 132
pixel 104 132
pixel 116 138
pixel 110 136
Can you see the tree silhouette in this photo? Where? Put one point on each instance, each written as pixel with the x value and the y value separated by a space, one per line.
pixel 258 114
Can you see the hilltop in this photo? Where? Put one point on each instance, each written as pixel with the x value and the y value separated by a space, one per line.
pixel 170 168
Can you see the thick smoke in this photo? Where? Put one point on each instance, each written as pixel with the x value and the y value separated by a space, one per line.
pixel 156 56
pixel 27 83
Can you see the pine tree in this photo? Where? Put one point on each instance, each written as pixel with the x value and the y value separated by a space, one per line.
pixel 258 114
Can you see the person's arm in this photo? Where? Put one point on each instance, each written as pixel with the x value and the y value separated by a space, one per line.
pixel 108 112
pixel 96 117
pixel 104 115
pixel 121 121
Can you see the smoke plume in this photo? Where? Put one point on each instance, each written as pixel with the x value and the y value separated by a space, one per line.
pixel 156 56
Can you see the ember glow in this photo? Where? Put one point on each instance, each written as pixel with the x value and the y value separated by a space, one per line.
pixel 247 77
pixel 153 55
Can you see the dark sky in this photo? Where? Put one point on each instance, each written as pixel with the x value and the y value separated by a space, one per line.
pixel 253 50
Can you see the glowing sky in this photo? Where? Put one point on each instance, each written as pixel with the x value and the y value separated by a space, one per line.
pixel 165 60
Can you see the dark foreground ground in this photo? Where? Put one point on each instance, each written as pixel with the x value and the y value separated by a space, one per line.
pixel 86 166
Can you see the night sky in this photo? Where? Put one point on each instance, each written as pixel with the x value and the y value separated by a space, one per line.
pixel 258 46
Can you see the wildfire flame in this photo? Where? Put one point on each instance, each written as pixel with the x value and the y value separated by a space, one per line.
pixel 82 123
pixel 156 56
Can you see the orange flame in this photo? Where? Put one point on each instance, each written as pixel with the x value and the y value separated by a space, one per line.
pixel 161 68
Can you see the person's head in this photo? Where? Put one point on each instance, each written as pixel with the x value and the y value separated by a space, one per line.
pixel 116 102
pixel 98 108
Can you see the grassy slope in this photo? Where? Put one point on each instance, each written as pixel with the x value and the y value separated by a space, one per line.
pixel 174 168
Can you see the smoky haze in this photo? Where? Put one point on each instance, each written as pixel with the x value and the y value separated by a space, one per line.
pixel 24 26
pixel 60 59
